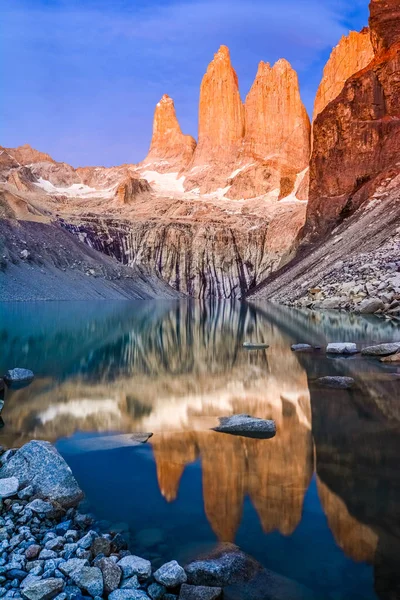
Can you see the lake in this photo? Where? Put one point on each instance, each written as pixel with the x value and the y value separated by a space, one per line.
pixel 319 503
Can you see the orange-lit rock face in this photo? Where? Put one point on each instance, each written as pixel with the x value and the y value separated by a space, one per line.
pixel 221 112
pixel 384 23
pixel 168 143
pixel 353 53
pixel 277 124
pixel 26 155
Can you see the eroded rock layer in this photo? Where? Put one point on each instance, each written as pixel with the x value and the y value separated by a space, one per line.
pixel 170 149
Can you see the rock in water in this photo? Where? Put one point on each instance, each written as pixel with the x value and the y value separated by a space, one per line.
pixel 394 358
pixel 170 575
pixel 369 306
pixel 267 585
pixel 45 589
pixel 199 592
pixel 301 348
pixel 381 349
pixel 251 346
pixel 343 383
pixel 247 426
pixel 346 348
pixel 18 376
pixel 40 465
pixel 8 487
pixel 134 565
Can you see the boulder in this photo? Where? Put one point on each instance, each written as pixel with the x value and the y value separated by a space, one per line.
pixel 8 487
pixel 112 574
pixel 156 591
pixel 199 592
pixel 341 348
pixel 128 595
pixel 381 349
pixel 394 358
pixel 226 565
pixel 46 589
pixel 267 585
pixel 170 575
pixel 301 348
pixel 18 376
pixel 134 565
pixel 247 426
pixel 370 306
pixel 343 383
pixel 41 466
pixel 89 579
pixel 40 506
pixel 73 564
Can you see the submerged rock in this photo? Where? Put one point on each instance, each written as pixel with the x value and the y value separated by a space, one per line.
pixel 342 348
pixel 199 592
pixel 18 376
pixel 110 442
pixel 40 465
pixel 302 348
pixel 251 346
pixel 343 383
pixel 267 585
pixel 247 426
pixel 394 358
pixel 381 349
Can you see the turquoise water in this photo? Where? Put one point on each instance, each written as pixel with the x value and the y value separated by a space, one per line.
pixel 319 503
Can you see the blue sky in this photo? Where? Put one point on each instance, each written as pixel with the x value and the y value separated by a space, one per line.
pixel 80 78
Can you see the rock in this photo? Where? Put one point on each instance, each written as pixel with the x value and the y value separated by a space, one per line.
pixel 168 144
pixel 39 464
pixel 353 53
pixel 381 349
pixel 226 565
pixel 89 579
pixel 73 564
pixel 199 592
pixel 251 346
pixel 156 591
pixel 394 358
pixel 336 382
pixel 132 583
pixel 43 590
pixel 170 575
pixel 9 487
pixel 247 426
pixel 39 506
pixel 33 551
pixel 267 585
pixel 301 348
pixel 128 595
pixel 110 442
pixel 370 306
pixel 384 23
pixel 341 348
pixel 17 376
pixel 100 545
pixel 112 574
pixel 134 565
pixel 130 189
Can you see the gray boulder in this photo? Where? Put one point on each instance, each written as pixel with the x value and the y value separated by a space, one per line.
pixel 40 465
pixel 341 348
pixel 40 506
pixel 73 564
pixel 226 565
pixel 247 426
pixel 156 591
pixel 301 348
pixel 9 487
pixel 132 583
pixel 343 383
pixel 89 579
pixel 46 589
pixel 170 575
pixel 134 565
pixel 381 349
pixel 370 306
pixel 18 376
pixel 112 574
pixel 199 592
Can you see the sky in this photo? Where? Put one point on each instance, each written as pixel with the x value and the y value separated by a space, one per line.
pixel 81 78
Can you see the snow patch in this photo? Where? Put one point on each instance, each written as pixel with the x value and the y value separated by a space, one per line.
pixel 76 190
pixel 165 182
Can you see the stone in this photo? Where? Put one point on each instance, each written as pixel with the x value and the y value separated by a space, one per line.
pixel 89 579
pixel 128 595
pixel 381 349
pixel 45 589
pixel 9 487
pixel 156 591
pixel 130 189
pixel 370 306
pixel 168 143
pixel 39 464
pixel 199 592
pixel 25 493
pixel 134 565
pixel 394 358
pixel 353 53
pixel 247 426
pixel 384 24
pixel 336 382
pixel 255 346
pixel 73 564
pixel 301 348
pixel 39 506
pixel 341 348
pixel 226 565
pixel 18 375
pixel 100 545
pixel 170 574
pixel 33 551
pixel 132 583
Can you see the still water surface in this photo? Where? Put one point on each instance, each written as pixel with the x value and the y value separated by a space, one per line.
pixel 319 503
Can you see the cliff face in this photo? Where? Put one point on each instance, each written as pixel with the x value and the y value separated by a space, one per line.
pixel 353 53
pixel 357 137
pixel 170 149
